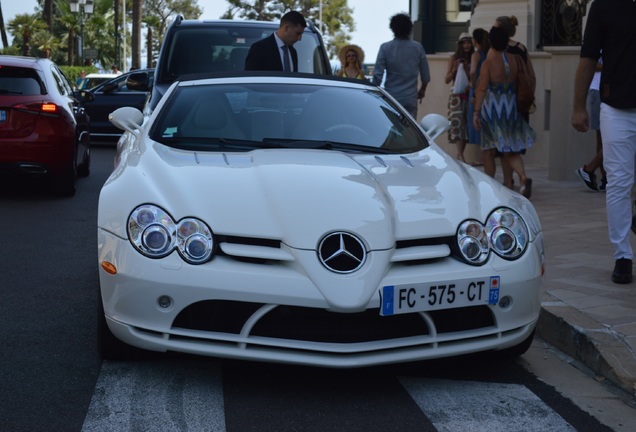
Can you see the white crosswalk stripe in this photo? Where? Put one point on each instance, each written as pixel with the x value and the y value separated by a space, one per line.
pixel 133 396
pixel 142 396
pixel 477 406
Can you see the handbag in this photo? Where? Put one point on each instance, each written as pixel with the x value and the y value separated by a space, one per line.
pixel 525 87
pixel 461 81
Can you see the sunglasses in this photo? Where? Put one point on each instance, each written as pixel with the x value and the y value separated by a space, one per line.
pixel 351 55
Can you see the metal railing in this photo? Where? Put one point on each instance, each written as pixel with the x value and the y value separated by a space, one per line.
pixel 562 22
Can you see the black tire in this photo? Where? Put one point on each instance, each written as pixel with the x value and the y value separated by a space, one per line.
pixel 66 184
pixel 84 169
pixel 111 348
pixel 517 350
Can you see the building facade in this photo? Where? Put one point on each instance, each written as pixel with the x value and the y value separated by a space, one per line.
pixel 552 30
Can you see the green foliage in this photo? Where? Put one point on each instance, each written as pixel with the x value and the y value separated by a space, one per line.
pixel 337 20
pixel 11 50
pixel 31 35
pixel 73 72
pixel 158 14
pixel 23 27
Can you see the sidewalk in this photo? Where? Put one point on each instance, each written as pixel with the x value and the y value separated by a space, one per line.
pixel 584 314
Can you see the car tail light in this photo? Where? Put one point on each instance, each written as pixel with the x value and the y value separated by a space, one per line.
pixel 38 107
pixel 49 107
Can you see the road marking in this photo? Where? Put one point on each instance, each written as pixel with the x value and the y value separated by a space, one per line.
pixel 134 396
pixel 188 396
pixel 482 406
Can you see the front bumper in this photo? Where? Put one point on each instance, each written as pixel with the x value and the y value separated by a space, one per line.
pixel 272 311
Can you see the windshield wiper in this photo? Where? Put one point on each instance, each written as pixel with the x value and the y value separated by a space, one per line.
pixel 209 143
pixel 322 144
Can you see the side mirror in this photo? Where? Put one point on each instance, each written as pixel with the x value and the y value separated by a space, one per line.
pixel 128 119
pixel 139 81
pixel 434 125
pixel 86 96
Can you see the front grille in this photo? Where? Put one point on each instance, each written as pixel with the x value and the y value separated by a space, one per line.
pixel 318 325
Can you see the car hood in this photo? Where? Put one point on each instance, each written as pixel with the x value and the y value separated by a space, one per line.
pixel 297 195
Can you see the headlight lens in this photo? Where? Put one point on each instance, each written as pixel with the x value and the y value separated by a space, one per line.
pixel 473 241
pixel 505 233
pixel 194 240
pixel 153 232
pixel 508 233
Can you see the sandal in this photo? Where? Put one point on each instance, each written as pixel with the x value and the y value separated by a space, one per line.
pixel 526 188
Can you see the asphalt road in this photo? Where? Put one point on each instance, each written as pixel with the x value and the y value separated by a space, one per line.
pixel 52 379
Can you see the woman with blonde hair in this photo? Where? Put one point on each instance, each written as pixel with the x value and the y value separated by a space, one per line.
pixel 351 57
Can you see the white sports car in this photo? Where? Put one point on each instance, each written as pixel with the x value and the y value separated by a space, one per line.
pixel 307 220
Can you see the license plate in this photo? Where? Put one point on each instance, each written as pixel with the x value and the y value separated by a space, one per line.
pixel 3 116
pixel 420 297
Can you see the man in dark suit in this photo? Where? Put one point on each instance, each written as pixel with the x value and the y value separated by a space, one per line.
pixel 276 52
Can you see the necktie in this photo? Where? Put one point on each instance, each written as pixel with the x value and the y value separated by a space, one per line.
pixel 286 65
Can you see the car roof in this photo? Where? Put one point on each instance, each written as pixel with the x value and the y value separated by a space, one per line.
pixel 102 75
pixel 236 23
pixel 22 61
pixel 275 77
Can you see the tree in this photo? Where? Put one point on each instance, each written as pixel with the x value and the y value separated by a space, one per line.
pixel 45 42
pixel 47 15
pixel 337 20
pixel 117 25
pixel 262 10
pixel 136 34
pixel 99 33
pixel 3 30
pixel 160 12
pixel 23 27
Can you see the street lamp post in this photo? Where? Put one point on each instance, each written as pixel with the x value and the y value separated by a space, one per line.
pixel 82 7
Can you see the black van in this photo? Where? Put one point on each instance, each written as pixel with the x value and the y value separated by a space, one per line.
pixel 195 46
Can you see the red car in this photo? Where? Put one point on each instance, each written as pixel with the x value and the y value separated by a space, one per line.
pixel 44 131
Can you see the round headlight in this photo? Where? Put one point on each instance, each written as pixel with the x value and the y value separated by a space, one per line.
pixel 473 242
pixel 156 239
pixel 508 233
pixel 503 241
pixel 195 241
pixel 151 231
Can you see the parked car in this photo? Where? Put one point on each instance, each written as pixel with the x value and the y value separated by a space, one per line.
pixel 93 79
pixel 299 219
pixel 196 46
pixel 108 96
pixel 44 130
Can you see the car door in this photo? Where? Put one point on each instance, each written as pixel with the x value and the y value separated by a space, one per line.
pixel 108 97
pixel 82 121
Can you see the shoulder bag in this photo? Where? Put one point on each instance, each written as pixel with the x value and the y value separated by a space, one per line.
pixel 525 86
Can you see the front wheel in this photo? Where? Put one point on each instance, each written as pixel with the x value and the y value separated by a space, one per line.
pixel 84 148
pixel 84 169
pixel 517 350
pixel 65 185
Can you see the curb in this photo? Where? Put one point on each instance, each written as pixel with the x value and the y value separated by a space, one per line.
pixel 598 348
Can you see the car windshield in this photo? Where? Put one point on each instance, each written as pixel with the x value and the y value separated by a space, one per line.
pixel 223 49
pixel 232 117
